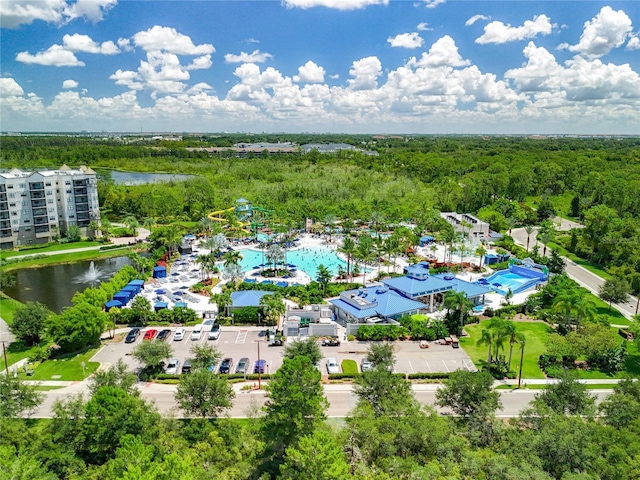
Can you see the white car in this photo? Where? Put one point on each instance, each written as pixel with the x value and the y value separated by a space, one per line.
pixel 366 365
pixel 214 334
pixel 179 335
pixel 172 366
pixel 332 365
pixel 197 332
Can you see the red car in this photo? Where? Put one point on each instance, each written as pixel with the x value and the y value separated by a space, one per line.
pixel 150 334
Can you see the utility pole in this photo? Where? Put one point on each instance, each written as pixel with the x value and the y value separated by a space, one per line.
pixel 6 364
pixel 259 368
pixel 521 359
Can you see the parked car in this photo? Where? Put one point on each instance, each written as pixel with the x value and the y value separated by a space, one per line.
pixel 196 334
pixel 214 334
pixel 260 366
pixel 186 366
pixel 173 366
pixel 366 365
pixel 179 335
pixel 331 342
pixel 332 365
pixel 243 365
pixel 226 366
pixel 150 334
pixel 164 334
pixel 133 335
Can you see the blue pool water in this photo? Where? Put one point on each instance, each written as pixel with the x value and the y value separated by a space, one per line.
pixel 509 280
pixel 306 259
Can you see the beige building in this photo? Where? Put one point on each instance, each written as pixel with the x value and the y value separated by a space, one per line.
pixel 36 206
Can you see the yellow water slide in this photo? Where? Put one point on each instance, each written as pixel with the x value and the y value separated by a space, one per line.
pixel 216 217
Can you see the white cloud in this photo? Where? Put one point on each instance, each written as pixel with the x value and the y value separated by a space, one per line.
pixel 84 43
pixel 433 3
pixel 200 63
pixel 365 72
pixel 633 44
pixel 335 76
pixel 406 40
pixel 444 52
pixel 578 80
pixel 607 30
pixel 10 88
pixel 498 32
pixel 168 39
pixel 310 73
pixel 14 13
pixel 54 56
pixel 125 44
pixel 254 57
pixel 474 19
pixel 335 4
pixel 423 27
pixel 69 84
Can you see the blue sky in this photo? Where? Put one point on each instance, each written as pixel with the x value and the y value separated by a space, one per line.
pixel 356 66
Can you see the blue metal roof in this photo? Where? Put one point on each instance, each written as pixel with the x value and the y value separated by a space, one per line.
pixel 375 301
pixel 413 287
pixel 248 298
pixel 469 289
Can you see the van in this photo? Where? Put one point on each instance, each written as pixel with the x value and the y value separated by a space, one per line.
pixel 197 332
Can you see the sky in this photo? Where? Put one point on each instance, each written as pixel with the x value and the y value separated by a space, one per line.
pixel 340 66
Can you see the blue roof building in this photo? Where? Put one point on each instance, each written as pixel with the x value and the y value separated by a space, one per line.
pixel 247 298
pixel 377 302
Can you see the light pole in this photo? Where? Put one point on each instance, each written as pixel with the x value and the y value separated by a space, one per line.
pixel 6 364
pixel 521 359
pixel 259 369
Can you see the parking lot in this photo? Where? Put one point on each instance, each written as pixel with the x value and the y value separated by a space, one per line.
pixel 239 342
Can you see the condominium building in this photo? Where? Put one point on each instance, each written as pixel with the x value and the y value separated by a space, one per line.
pixel 36 206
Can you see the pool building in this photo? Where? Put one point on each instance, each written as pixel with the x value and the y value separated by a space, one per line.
pixel 399 296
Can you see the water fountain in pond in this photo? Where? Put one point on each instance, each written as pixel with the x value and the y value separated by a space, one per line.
pixel 90 276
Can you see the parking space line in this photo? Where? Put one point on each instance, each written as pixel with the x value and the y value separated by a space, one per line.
pixel 445 365
pixel 411 366
pixel 241 337
pixel 428 366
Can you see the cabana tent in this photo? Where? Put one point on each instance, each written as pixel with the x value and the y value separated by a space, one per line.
pixel 159 272
pixel 112 304
pixel 160 306
pixel 122 297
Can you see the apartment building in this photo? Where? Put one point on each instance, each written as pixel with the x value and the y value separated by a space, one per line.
pixel 36 206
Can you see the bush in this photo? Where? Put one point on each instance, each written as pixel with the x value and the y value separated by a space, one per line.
pixel 342 376
pixel 349 366
pixel 428 376
pixel 40 354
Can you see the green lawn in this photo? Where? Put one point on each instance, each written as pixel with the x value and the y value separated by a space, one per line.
pixel 8 307
pixel 15 352
pixel 349 366
pixel 52 248
pixel 69 367
pixel 593 386
pixel 536 334
pixel 69 258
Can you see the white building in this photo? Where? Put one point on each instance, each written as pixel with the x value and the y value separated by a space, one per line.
pixel 473 227
pixel 38 205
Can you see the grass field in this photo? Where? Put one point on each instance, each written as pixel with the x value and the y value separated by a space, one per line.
pixel 535 332
pixel 593 386
pixel 15 352
pixel 8 307
pixel 349 366
pixel 68 367
pixel 52 248
pixel 68 258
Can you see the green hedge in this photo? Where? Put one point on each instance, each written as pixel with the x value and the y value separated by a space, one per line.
pixel 429 375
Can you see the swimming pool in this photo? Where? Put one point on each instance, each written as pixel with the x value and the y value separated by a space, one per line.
pixel 509 280
pixel 306 259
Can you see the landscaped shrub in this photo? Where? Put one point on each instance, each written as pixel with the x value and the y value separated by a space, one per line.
pixel 429 375
pixel 343 376
pixel 376 333
pixel 349 366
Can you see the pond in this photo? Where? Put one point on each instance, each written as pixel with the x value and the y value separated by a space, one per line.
pixel 141 178
pixel 55 285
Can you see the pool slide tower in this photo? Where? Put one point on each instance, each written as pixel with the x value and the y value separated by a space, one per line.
pixel 244 211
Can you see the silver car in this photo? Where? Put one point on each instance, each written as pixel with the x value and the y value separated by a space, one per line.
pixel 243 365
pixel 173 366
pixel 332 365
pixel 366 365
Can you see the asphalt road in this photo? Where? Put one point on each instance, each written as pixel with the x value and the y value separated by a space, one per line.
pixel 248 402
pixel 584 277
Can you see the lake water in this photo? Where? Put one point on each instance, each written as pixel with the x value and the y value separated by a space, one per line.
pixel 55 285
pixel 140 178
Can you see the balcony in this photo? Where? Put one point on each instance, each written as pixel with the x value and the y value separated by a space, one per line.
pixel 80 191
pixel 83 216
pixel 4 215
pixel 41 221
pixel 82 208
pixel 3 197
pixel 83 223
pixel 82 199
pixel 36 186
pixel 42 229
pixel 5 233
pixel 38 203
pixel 3 206
pixel 5 224
pixel 38 212
pixel 37 194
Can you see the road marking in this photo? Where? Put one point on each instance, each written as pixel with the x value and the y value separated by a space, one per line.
pixel 445 365
pixel 241 336
pixel 411 367
pixel 428 366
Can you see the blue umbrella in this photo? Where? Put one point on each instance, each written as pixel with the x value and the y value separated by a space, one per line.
pixel 497 284
pixel 176 274
pixel 178 292
pixel 183 287
pixel 160 291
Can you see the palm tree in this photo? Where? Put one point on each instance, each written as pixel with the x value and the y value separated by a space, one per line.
pixel 323 277
pixel 486 338
pixel 149 223
pixel 585 309
pixel 448 236
pixel 511 222
pixel 232 257
pixel 378 250
pixel 566 304
pixel 364 253
pixel 390 246
pixel 94 227
pixel 529 229
pixel 204 262
pixel 376 219
pixel 510 331
pixel 499 326
pixel 133 224
pixel 205 225
pixel 329 221
pixel 480 252
pixel 522 340
pixel 459 302
pixel 349 249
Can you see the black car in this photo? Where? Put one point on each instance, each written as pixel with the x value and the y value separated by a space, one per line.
pixel 133 334
pixel 226 366
pixel 186 366
pixel 164 335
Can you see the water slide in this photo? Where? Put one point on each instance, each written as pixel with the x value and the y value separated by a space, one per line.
pixel 215 216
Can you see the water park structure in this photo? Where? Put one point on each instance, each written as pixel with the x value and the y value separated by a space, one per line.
pixel 244 211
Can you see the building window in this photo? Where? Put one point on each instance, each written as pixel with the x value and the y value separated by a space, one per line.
pixel 51 209
pixel 21 185
pixel 49 200
pixel 14 222
pixel 48 184
pixel 68 191
pixel 12 204
pixel 14 213
pixel 49 192
pixel 9 186
pixel 67 183
pixel 12 195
